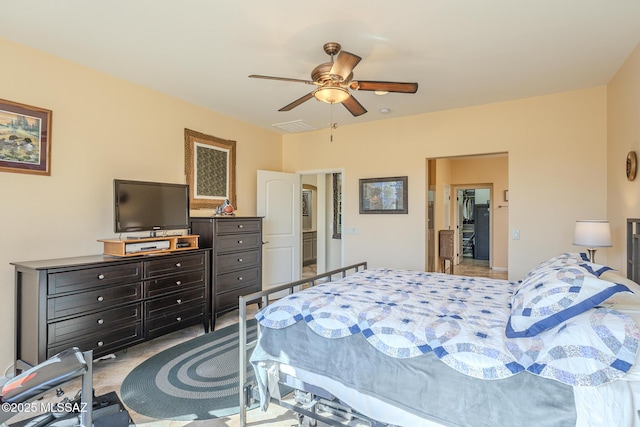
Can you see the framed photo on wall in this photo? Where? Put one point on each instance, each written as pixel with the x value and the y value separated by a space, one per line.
pixel 210 166
pixel 337 205
pixel 384 195
pixel 25 138
pixel 306 202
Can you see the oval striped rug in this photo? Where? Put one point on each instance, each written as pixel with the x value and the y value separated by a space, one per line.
pixel 194 380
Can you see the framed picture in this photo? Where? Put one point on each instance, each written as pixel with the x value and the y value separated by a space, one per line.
pixel 337 206
pixel 384 195
pixel 210 166
pixel 306 202
pixel 25 138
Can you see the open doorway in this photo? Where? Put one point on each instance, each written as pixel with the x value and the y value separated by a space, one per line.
pixel 321 222
pixel 447 180
pixel 473 226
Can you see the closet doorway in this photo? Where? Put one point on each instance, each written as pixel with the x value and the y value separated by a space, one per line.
pixel 474 224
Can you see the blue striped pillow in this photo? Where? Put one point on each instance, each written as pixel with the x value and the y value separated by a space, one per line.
pixel 552 295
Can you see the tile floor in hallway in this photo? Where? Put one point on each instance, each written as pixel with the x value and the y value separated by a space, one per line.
pixel 108 374
pixel 478 268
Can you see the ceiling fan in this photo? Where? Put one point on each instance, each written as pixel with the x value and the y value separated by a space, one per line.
pixel 335 78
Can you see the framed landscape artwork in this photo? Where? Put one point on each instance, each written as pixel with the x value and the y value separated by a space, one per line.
pixel 210 166
pixel 384 195
pixel 25 138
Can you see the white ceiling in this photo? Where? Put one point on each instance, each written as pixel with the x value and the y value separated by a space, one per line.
pixel 462 52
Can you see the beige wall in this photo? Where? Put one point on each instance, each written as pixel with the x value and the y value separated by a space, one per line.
pixel 443 177
pixel 103 128
pixel 623 135
pixel 557 171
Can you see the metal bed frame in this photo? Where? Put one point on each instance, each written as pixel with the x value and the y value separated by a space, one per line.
pixel 249 393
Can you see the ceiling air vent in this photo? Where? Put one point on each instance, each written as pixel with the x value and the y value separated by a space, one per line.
pixel 294 126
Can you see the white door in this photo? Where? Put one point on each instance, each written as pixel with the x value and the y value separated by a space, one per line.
pixel 279 204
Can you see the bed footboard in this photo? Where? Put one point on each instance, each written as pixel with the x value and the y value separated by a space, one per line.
pixel 263 297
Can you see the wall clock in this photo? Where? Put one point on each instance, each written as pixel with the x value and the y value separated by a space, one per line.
pixel 632 162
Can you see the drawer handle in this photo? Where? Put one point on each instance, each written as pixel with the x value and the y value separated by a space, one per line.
pixel 240 226
pixel 179 319
pixel 239 242
pixel 100 321
pixel 239 259
pixel 240 278
pixel 100 298
pixel 178 264
pixel 100 276
pixel 178 282
pixel 179 301
pixel 100 343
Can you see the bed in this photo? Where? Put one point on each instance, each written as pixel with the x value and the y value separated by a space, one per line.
pixel 397 347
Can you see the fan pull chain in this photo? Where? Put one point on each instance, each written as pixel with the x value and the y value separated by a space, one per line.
pixel 332 125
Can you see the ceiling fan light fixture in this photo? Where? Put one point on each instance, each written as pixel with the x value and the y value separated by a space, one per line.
pixel 381 92
pixel 331 94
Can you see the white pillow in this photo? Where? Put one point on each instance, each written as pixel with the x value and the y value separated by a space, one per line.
pixel 623 301
pixel 571 258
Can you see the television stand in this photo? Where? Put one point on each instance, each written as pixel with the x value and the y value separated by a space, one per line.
pixel 148 245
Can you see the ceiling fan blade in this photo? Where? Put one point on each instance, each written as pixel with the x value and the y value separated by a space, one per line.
pixel 297 102
pixel 344 64
pixel 283 79
pixel 354 106
pixel 384 86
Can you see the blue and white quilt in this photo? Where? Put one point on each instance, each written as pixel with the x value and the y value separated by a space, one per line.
pixel 462 321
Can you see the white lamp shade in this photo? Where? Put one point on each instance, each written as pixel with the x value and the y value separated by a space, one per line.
pixel 592 233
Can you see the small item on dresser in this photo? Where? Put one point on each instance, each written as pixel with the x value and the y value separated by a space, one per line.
pixel 225 208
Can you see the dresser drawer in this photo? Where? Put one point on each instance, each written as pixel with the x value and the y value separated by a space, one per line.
pixel 78 280
pixel 99 299
pixel 175 301
pixel 173 264
pixel 229 300
pixel 238 226
pixel 104 321
pixel 236 261
pixel 238 242
pixel 103 343
pixel 174 283
pixel 173 320
pixel 229 281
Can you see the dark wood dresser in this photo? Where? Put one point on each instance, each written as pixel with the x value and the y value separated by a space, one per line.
pixel 104 303
pixel 236 267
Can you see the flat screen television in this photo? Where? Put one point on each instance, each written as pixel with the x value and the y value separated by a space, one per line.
pixel 150 206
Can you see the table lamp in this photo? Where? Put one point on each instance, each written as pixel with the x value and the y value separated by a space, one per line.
pixel 593 234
